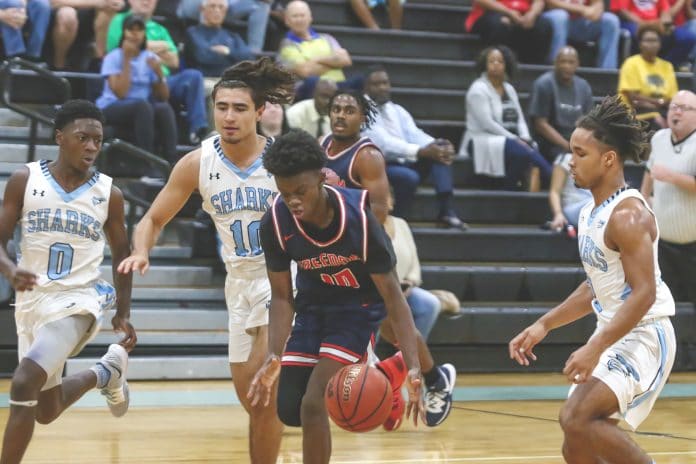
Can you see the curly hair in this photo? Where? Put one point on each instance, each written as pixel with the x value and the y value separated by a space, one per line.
pixel 76 109
pixel 294 153
pixel 267 81
pixel 508 57
pixel 614 124
pixel 366 105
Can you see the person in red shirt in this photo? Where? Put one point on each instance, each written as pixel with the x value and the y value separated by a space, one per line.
pixel 515 23
pixel 677 39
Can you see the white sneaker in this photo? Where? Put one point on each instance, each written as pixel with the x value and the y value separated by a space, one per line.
pixel 116 390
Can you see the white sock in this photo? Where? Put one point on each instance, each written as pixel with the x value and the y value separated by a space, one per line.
pixel 103 374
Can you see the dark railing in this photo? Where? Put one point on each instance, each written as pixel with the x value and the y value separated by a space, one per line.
pixel 25 83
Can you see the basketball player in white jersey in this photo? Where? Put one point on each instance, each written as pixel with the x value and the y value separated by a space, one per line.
pixel 236 191
pixel 620 371
pixel 65 209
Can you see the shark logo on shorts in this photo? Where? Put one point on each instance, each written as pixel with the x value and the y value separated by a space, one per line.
pixel 619 363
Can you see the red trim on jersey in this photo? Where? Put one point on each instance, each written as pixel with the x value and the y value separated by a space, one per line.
pixel 297 353
pixel 336 358
pixel 340 348
pixel 276 226
pixel 361 143
pixel 299 364
pixel 341 227
pixel 363 215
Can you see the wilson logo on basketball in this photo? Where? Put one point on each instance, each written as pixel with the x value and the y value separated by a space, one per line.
pixel 352 374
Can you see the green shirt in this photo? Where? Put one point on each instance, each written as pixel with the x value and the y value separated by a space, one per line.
pixel 153 31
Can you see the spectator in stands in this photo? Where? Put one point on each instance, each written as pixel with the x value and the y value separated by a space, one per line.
pixel 313 115
pixel 647 82
pixel 72 21
pixel 312 55
pixel 677 42
pixel 363 10
pixel 273 122
pixel 425 307
pixel 559 98
pixel 582 22
pixel 688 15
pixel 211 47
pixel 496 133
pixel 18 17
pixel 516 23
pixel 565 199
pixel 135 92
pixel 670 178
pixel 409 152
pixel 255 11
pixel 186 86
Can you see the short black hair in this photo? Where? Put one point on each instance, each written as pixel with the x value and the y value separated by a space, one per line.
pixel 508 57
pixel 294 153
pixel 614 123
pixel 649 27
pixel 266 80
pixel 130 21
pixel 76 109
pixel 375 68
pixel 367 106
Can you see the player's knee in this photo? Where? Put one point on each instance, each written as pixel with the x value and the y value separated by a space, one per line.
pixel 571 421
pixel 25 385
pixel 289 412
pixel 312 407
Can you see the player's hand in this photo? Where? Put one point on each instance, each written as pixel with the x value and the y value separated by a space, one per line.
pixel 522 345
pixel 22 280
pixel 262 384
pixel 558 223
pixel 581 363
pixel 122 324
pixel 135 262
pixel 415 396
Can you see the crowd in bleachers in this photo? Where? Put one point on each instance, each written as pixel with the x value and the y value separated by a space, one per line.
pixel 159 61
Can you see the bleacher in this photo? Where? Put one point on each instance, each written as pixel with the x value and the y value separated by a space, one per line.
pixel 505 270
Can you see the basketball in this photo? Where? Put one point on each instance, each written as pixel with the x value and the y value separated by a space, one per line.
pixel 358 398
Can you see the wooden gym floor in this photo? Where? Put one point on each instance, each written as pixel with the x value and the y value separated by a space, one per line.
pixel 494 421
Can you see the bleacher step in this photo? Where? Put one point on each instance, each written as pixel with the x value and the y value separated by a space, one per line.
pixel 163 275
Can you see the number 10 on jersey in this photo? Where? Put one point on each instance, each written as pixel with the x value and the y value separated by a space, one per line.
pixel 254 239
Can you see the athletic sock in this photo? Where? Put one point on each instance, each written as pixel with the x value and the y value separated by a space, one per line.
pixel 103 375
pixel 432 376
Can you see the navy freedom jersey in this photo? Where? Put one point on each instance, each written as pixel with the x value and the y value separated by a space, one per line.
pixel 342 163
pixel 333 264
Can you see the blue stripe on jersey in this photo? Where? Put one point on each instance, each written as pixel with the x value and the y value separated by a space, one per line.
pixel 67 196
pixel 241 173
pixel 660 371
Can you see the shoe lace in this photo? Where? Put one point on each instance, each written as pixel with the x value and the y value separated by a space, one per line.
pixel 114 395
pixel 435 400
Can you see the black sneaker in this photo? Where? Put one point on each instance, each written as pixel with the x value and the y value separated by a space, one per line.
pixel 438 397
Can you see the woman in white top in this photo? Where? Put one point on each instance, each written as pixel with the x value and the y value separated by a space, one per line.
pixel 496 134
pixel 425 306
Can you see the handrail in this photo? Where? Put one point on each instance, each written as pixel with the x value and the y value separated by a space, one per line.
pixel 139 153
pixel 35 117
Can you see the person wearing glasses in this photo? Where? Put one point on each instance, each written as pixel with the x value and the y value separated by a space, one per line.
pixel 670 179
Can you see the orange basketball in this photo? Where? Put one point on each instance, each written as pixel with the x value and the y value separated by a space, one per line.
pixel 358 398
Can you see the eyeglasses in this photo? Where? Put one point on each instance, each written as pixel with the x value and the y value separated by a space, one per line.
pixel 682 108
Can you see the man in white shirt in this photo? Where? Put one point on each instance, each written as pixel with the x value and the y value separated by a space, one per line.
pixel 313 115
pixel 410 153
pixel 670 180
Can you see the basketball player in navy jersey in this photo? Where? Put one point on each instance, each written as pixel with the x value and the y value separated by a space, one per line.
pixel 66 210
pixel 620 371
pixel 236 191
pixel 354 161
pixel 346 285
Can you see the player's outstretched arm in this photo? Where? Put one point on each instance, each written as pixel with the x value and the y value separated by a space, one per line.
pixel 115 230
pixel 405 330
pixel 10 212
pixel 577 305
pixel 281 313
pixel 631 230
pixel 181 184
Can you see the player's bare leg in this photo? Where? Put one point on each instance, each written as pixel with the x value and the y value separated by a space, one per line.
pixel 265 429
pixel 592 438
pixel 316 434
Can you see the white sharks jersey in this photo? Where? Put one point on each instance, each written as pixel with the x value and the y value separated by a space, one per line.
pixel 62 233
pixel 605 272
pixel 236 199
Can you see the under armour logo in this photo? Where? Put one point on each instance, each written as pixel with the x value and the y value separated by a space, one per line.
pixel 98 200
pixel 216 176
pixel 37 193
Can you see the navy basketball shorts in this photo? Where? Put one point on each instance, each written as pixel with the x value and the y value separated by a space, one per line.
pixel 338 332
